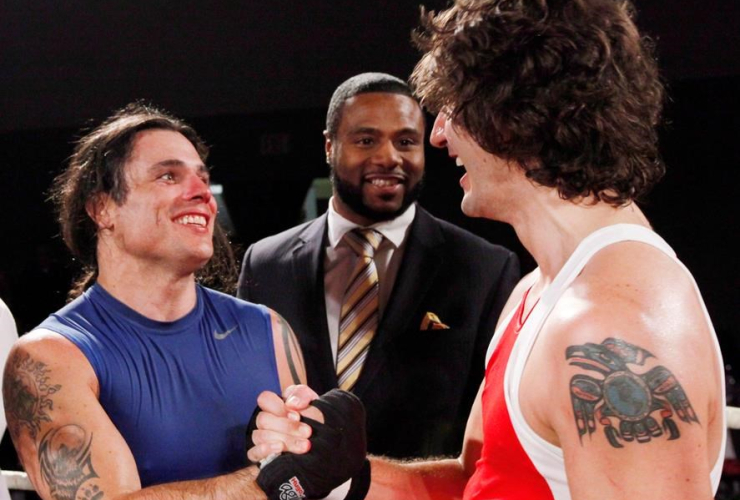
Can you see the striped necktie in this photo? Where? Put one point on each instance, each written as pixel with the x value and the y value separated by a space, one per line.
pixel 359 317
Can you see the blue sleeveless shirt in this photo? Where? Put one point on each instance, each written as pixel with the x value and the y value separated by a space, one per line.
pixel 181 393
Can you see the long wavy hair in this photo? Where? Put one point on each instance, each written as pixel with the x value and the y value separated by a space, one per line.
pixel 97 167
pixel 567 89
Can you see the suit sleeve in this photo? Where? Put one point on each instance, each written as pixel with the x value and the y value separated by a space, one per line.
pixel 508 277
pixel 245 275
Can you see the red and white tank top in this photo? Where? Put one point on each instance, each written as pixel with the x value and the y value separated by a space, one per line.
pixel 516 463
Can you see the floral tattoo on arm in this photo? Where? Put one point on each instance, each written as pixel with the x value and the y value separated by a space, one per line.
pixel 27 394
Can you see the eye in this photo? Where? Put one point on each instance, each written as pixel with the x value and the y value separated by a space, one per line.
pixel 407 143
pixel 365 141
pixel 167 176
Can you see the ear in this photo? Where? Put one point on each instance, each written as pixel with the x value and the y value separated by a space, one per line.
pixel 100 209
pixel 328 146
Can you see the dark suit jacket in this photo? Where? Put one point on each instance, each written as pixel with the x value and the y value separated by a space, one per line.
pixel 417 386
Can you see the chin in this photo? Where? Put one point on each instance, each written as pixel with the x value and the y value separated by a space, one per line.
pixel 200 258
pixel 385 209
pixel 468 208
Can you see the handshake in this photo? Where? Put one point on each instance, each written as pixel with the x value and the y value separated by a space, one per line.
pixel 335 453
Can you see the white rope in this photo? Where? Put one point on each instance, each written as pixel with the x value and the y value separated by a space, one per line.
pixel 732 414
pixel 19 480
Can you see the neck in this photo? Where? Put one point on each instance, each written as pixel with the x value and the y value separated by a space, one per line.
pixel 155 292
pixel 551 228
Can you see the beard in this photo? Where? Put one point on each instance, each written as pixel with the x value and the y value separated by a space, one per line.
pixel 351 195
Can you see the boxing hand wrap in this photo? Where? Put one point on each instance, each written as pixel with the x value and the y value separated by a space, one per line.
pixel 338 449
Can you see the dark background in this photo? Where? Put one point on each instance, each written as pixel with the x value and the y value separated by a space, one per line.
pixel 254 78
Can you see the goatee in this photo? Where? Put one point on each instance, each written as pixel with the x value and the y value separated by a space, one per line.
pixel 351 196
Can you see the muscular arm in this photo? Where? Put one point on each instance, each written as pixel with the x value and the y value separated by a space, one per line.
pixel 423 480
pixel 637 431
pixel 430 479
pixel 631 391
pixel 65 440
pixel 647 430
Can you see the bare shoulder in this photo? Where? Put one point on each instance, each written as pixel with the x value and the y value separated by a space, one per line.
pixel 627 377
pixel 39 365
pixel 63 436
pixel 47 349
pixel 638 304
pixel 634 363
pixel 636 292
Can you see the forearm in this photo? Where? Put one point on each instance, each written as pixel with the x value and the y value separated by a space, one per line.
pixel 430 480
pixel 239 485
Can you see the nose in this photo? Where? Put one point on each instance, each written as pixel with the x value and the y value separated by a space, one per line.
pixel 388 155
pixel 198 188
pixel 437 138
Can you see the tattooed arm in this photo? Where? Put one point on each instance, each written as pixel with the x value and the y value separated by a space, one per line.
pixel 291 368
pixel 627 383
pixel 67 444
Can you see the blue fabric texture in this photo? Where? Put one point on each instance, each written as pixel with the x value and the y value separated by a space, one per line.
pixel 181 393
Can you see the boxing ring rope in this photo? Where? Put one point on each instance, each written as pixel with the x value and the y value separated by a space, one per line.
pixel 19 480
pixel 732 414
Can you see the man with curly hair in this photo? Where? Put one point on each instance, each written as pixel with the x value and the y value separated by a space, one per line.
pixel 604 378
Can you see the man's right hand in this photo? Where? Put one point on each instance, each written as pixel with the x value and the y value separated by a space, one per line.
pixel 338 444
pixel 279 428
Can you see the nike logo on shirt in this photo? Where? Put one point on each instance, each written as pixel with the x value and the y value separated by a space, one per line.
pixel 221 336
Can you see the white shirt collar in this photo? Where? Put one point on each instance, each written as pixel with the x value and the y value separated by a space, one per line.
pixel 393 230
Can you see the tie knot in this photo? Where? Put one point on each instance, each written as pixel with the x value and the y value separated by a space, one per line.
pixel 364 241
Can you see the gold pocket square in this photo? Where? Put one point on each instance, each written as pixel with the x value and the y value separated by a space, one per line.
pixel 432 322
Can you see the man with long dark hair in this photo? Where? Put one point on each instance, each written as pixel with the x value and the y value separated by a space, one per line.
pixel 143 386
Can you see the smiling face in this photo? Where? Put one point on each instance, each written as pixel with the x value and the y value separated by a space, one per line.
pixel 377 156
pixel 492 186
pixel 168 215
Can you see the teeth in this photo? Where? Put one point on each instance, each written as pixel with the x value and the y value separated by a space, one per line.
pixel 384 182
pixel 197 220
pixel 459 162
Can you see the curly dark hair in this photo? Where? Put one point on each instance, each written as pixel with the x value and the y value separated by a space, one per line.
pixel 96 167
pixel 567 89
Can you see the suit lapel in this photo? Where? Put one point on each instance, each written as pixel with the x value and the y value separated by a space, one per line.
pixel 308 268
pixel 416 274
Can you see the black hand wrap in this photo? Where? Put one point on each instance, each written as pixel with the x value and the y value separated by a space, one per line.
pixel 338 449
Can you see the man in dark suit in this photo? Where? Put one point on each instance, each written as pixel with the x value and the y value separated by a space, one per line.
pixel 430 295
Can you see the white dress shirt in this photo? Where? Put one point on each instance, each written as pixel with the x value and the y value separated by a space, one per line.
pixel 339 261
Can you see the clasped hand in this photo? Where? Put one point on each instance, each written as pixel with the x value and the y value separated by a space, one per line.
pixel 312 430
pixel 279 428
